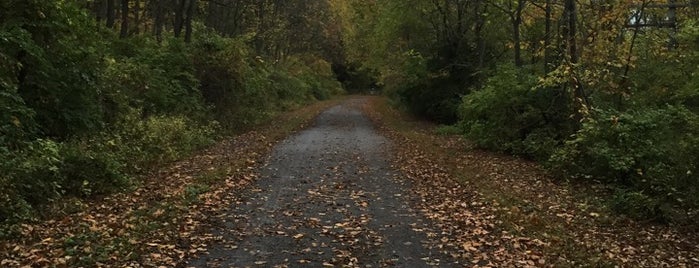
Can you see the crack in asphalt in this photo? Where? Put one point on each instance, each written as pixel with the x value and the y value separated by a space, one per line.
pixel 327 197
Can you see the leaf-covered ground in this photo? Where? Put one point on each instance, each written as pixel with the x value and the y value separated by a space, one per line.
pixel 500 211
pixel 327 197
pixel 457 206
pixel 159 222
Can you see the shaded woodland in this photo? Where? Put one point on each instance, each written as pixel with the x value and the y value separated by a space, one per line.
pixel 95 92
pixel 598 91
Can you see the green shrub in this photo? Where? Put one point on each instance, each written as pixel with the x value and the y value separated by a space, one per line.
pixel 236 84
pixel 29 177
pixel 301 80
pixel 636 204
pixel 247 90
pixel 17 123
pixel 158 81
pixel 56 52
pixel 317 73
pixel 510 114
pixel 166 138
pixel 83 111
pixel 651 152
pixel 88 171
pixel 436 99
pixel 290 90
pixel 356 78
pixel 140 142
pixel 34 171
pixel 13 210
pixel 449 130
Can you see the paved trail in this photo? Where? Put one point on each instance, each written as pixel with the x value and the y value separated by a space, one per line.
pixel 326 197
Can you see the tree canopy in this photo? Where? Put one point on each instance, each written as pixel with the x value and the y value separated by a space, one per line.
pixel 596 90
pixel 93 92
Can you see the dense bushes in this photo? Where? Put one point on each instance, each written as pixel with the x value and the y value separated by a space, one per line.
pixel 83 113
pixel 427 93
pixel 355 78
pixel 155 78
pixel 648 152
pixel 651 154
pixel 511 114
pixel 52 50
pixel 434 99
pixel 245 90
pixel 549 93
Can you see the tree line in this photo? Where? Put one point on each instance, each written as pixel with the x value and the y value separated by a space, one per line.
pixel 93 93
pixel 600 91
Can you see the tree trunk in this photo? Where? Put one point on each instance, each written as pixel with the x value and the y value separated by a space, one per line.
pixel 99 9
pixel 124 19
pixel 188 23
pixel 261 28
pixel 480 40
pixel 571 30
pixel 212 16
pixel 110 13
pixel 672 20
pixel 158 21
pixel 570 11
pixel 516 20
pixel 181 5
pixel 547 37
pixel 137 17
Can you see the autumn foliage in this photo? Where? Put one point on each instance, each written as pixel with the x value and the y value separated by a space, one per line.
pixel 597 91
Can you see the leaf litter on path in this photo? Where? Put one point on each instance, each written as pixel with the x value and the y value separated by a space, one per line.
pixel 327 197
pixel 159 223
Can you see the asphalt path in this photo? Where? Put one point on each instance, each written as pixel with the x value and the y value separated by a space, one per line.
pixel 326 197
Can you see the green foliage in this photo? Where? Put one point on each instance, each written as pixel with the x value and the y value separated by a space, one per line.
pixel 434 99
pixel 636 204
pixel 158 79
pixel 29 176
pixel 432 96
pixel 45 170
pixel 55 48
pixel 511 114
pixel 449 130
pixel 448 62
pixel 246 90
pixel 34 171
pixel 355 78
pixel 652 152
pixel 159 139
pixel 192 192
pixel 87 171
pixel 83 112
pixel 16 121
pixel 232 81
pixel 318 74
pixel 137 143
